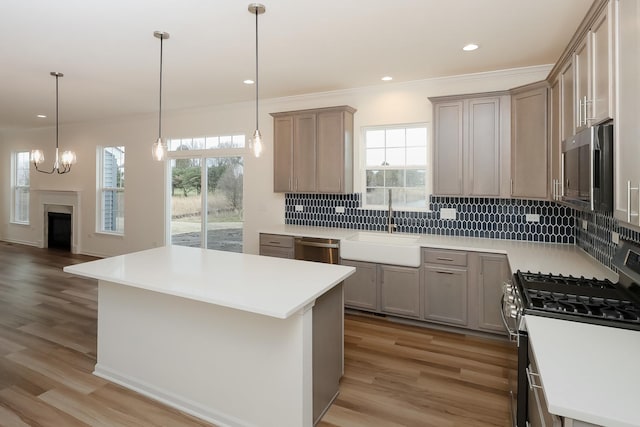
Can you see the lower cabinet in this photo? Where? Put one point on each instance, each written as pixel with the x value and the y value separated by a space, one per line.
pixel 400 290
pixel 456 288
pixel 276 245
pixel 493 272
pixel 361 288
pixel 445 294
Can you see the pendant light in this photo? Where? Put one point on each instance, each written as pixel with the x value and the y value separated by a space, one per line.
pixel 62 164
pixel 256 141
pixel 159 149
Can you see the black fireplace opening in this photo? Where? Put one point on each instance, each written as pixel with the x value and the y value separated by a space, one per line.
pixel 59 231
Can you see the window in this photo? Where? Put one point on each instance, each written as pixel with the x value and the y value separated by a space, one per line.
pixel 111 190
pixel 206 191
pixel 20 212
pixel 396 159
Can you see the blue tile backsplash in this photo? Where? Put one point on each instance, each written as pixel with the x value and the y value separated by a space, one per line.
pixel 476 217
pixel 596 239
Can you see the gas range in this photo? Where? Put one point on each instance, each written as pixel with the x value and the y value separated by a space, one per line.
pixel 577 298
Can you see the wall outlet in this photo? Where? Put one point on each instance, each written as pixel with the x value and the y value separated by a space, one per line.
pixel 339 209
pixel 299 208
pixel 615 237
pixel 532 217
pixel 448 213
pixel 584 224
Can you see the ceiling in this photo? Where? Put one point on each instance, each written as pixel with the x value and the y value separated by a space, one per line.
pixel 110 58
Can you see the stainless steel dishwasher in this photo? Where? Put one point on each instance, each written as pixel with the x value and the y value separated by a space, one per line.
pixel 317 249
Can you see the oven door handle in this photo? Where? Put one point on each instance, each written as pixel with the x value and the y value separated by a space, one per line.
pixel 513 336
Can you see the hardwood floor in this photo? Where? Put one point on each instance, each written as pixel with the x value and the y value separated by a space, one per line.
pixel 395 375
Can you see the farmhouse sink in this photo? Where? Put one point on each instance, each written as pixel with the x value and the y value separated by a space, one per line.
pixel 382 248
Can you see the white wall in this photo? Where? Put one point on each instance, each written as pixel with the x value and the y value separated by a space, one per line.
pixel 387 103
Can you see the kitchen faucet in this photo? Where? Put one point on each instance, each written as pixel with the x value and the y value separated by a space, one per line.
pixel 390 224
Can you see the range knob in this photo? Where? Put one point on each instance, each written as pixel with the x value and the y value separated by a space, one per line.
pixel 511 298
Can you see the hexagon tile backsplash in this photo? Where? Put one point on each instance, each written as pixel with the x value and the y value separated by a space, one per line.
pixel 513 219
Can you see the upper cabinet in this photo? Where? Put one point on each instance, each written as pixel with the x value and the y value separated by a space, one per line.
pixel 313 151
pixel 627 124
pixel 593 61
pixel 529 141
pixel 469 134
pixel 555 139
pixel 586 72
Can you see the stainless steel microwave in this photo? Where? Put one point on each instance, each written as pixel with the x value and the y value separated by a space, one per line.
pixel 587 160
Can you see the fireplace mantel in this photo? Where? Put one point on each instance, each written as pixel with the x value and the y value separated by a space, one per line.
pixel 52 201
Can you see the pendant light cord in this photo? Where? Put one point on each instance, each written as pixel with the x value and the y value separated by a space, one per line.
pixel 160 109
pixel 56 115
pixel 257 69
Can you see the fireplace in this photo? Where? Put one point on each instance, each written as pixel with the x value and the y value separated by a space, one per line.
pixel 60 226
pixel 59 230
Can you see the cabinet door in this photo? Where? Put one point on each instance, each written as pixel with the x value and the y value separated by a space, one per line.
pixel 555 145
pixel 361 288
pixel 400 290
pixel 529 172
pixel 448 148
pixel 600 107
pixel 484 147
pixel 627 128
pixel 330 151
pixel 567 99
pixel 494 271
pixel 282 154
pixel 445 294
pixel 581 62
pixel 304 153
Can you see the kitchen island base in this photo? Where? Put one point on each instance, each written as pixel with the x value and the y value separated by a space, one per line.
pixel 226 366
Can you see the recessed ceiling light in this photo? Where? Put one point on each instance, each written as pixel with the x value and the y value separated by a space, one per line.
pixel 470 47
pixel 248 82
pixel 387 78
pixel 41 116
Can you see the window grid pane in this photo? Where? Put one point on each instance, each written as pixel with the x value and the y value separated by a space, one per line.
pixel 21 188
pixel 396 159
pixel 112 192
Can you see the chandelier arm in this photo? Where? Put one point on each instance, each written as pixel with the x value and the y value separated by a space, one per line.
pixel 47 172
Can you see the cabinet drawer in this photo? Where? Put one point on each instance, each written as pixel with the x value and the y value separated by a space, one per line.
pixel 444 257
pixel 276 240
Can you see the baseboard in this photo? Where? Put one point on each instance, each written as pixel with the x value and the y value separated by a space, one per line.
pixel 22 242
pixel 168 398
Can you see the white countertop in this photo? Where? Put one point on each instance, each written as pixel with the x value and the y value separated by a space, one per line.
pixel 270 286
pixel 589 372
pixel 552 258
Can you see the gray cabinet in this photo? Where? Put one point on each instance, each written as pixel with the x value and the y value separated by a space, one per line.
pixel 555 140
pixel 276 245
pixel 445 286
pixel 529 140
pixel 400 290
pixel 468 133
pixel 493 272
pixel 313 150
pixel 537 408
pixel 567 100
pixel 361 288
pixel 627 126
pixel 445 294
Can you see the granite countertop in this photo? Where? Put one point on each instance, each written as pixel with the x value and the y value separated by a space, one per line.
pixel 555 258
pixel 588 372
pixel 269 286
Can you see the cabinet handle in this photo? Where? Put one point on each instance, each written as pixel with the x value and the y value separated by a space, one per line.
pixel 512 187
pixel 443 272
pixel 629 190
pixel 444 259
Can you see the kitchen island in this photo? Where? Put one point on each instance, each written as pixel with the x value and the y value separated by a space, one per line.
pixel 235 339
